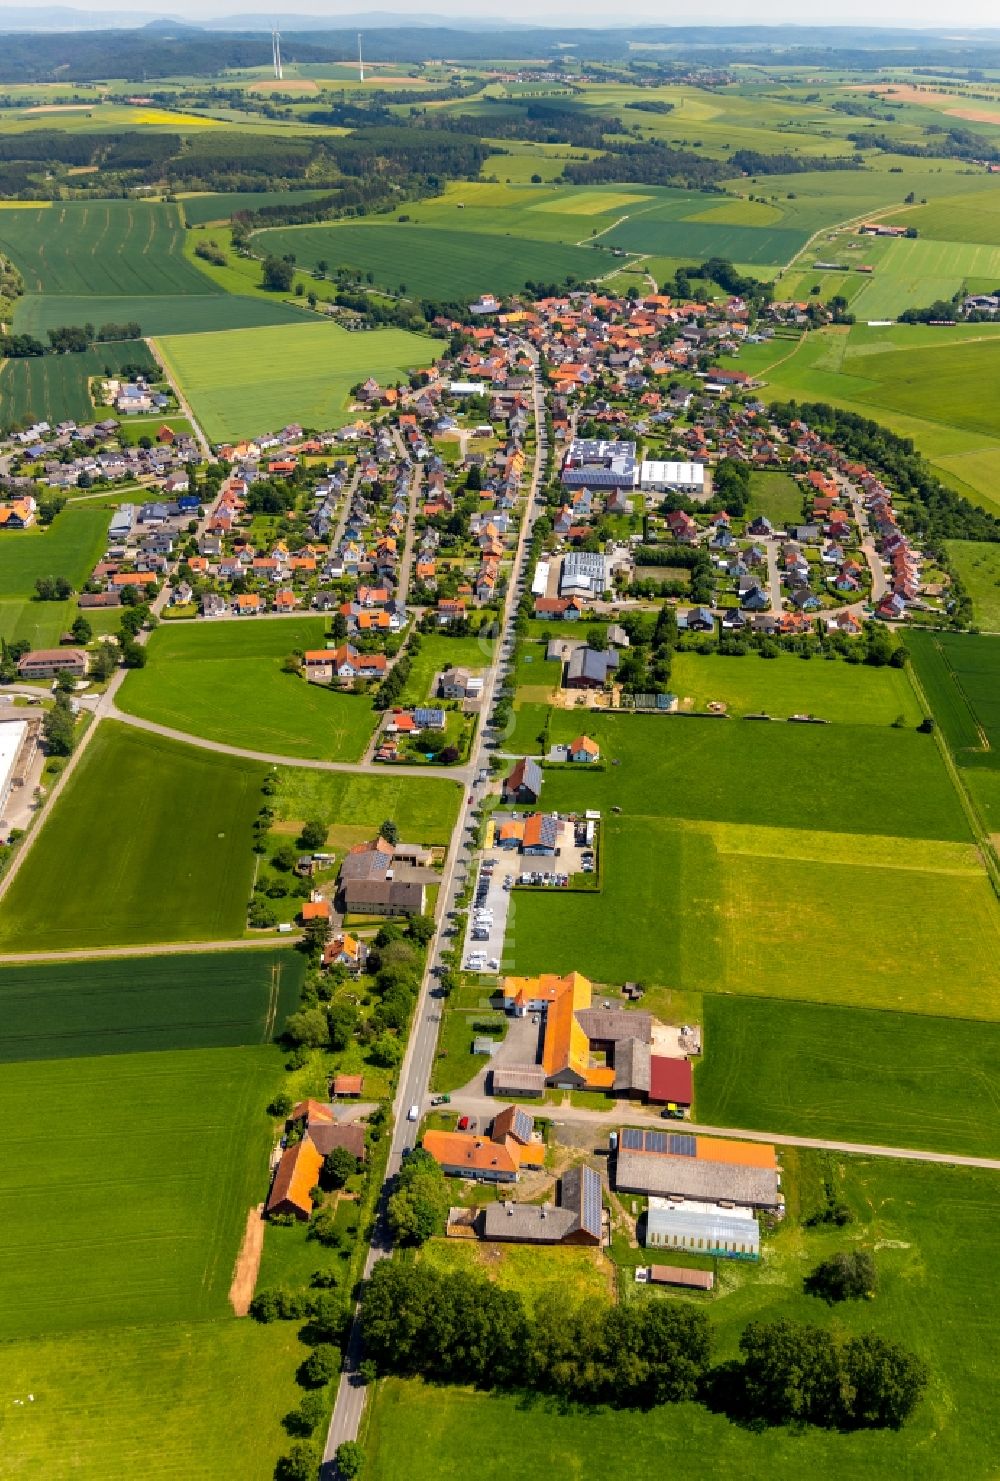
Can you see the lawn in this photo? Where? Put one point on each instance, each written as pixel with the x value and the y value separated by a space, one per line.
pixel 849 694
pixel 251 381
pixel 777 496
pixel 130 1005
pixel 133 1210
pixel 583 1274
pixel 848 1074
pixel 150 842
pixel 438 652
pixel 936 1280
pixel 104 248
pixel 978 568
pixel 224 681
pixel 424 809
pixel 55 388
pixel 436 262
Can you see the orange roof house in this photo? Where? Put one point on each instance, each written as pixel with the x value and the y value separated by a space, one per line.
pixel 297 1175
pixel 566 1057
pixel 315 910
pixel 463 1154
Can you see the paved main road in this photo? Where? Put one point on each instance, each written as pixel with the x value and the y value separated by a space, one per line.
pixel 415 1073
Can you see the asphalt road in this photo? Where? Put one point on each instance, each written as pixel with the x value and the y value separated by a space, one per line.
pixel 415 1072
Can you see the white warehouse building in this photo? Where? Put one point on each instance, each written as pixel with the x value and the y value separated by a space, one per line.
pixel 679 478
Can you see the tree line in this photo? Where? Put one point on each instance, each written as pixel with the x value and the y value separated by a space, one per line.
pixel 463 1328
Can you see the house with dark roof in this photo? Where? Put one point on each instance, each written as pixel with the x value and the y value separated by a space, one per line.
pixel 589 668
pixel 524 784
pixel 576 1219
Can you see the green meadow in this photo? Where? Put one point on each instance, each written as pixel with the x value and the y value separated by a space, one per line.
pixel 936 1295
pixel 438 653
pixel 224 681
pixel 163 313
pixel 978 568
pixel 960 675
pixel 149 842
pixel 250 381
pixel 425 809
pixel 69 547
pixel 886 1078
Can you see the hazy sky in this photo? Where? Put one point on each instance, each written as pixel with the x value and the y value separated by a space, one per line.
pixel 958 14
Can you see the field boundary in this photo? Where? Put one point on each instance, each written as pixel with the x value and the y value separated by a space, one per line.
pixel 247 1264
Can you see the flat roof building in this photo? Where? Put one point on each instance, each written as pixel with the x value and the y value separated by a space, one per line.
pixel 681 478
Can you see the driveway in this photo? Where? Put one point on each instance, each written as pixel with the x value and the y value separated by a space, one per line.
pixel 523 1045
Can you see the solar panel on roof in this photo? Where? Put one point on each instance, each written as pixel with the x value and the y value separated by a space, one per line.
pixel 681 1144
pixel 523 1125
pixel 656 1141
pixel 632 1140
pixel 592 1202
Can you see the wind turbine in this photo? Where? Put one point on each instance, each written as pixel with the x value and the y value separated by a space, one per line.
pixel 276 52
pixel 361 65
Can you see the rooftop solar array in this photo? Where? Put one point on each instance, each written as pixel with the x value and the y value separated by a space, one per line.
pixel 591 1215
pixel 677 1144
pixel 523 1126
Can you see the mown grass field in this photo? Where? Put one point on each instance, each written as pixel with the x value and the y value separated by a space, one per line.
pixel 440 263
pixel 978 568
pixel 251 381
pixel 150 842
pixel 120 248
pixel 889 1078
pixel 584 1274
pixel 848 694
pixel 916 273
pixel 662 234
pixel 224 681
pixel 54 388
pixel 132 1005
pixel 424 809
pixel 933 1230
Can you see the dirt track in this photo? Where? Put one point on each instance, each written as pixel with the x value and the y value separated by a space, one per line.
pixel 248 1262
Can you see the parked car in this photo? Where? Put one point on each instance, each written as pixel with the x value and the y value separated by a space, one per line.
pixel 440 1100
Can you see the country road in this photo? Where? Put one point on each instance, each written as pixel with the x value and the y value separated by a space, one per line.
pixel 629 1113
pixel 165 948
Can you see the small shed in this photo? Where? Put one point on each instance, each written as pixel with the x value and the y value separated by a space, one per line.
pixel 677 1275
pixel 351 1086
pixel 483 1045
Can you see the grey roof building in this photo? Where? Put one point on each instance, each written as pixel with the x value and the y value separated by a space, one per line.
pixel 578 1218
pixel 589 669
pixel 670 1176
pixel 702 1229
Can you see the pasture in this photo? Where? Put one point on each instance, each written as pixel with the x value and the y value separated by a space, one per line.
pixel 224 681
pixel 434 263
pixel 55 388
pixel 978 568
pixel 935 1295
pixel 912 274
pixel 103 248
pixel 251 381
pixel 849 1074
pixel 152 1175
pixel 150 842
pixel 132 1005
pixel 849 694
pixel 68 547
